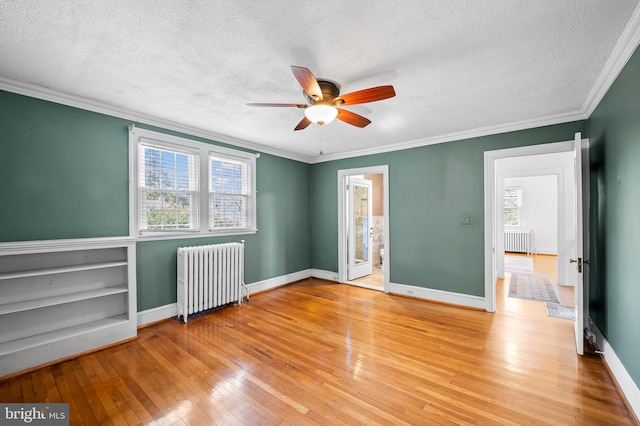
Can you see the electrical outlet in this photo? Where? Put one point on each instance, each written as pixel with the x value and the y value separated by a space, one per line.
pixel 409 292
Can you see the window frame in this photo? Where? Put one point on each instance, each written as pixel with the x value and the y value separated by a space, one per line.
pixel 519 207
pixel 193 177
pixel 203 152
pixel 244 194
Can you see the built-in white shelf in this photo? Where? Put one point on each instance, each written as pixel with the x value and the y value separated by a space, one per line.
pixel 76 331
pixel 25 305
pixel 66 297
pixel 60 270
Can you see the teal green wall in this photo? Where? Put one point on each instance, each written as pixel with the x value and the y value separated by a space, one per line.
pixel 430 188
pixel 615 291
pixel 280 247
pixel 64 174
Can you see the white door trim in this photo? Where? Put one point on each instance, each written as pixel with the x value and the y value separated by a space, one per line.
pixel 342 205
pixel 490 214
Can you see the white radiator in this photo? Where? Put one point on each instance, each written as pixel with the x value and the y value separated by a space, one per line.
pixel 517 241
pixel 209 276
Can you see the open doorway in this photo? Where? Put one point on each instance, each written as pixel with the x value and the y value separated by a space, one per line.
pixel 363 224
pixel 572 238
pixel 531 215
pixel 536 222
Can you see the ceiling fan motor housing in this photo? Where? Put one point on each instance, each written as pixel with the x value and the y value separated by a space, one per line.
pixel 330 90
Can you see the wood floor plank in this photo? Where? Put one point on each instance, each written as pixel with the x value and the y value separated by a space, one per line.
pixel 183 385
pixel 235 395
pixel 111 399
pixel 4 391
pixel 26 385
pixel 82 382
pixel 15 390
pixel 322 353
pixel 80 411
pixel 39 387
pixel 49 384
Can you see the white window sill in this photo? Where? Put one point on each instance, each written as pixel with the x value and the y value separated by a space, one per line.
pixel 155 236
pixel 513 228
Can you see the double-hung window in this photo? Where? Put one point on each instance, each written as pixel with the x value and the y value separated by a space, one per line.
pixel 181 187
pixel 167 188
pixel 228 193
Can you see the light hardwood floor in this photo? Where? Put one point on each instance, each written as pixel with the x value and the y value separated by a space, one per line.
pixel 375 281
pixel 322 353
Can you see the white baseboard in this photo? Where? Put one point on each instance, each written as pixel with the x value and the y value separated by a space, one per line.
pixel 157 314
pixel 171 310
pixel 626 383
pixel 274 282
pixel 550 251
pixel 628 387
pixel 438 295
pixel 325 275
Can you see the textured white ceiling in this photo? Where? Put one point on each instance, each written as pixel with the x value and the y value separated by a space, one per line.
pixel 457 66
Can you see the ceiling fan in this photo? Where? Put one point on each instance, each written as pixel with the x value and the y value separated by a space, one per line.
pixel 324 99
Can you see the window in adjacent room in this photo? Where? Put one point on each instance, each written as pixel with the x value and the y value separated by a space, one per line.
pixel 183 187
pixel 512 206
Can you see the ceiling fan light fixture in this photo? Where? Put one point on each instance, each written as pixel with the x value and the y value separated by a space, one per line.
pixel 325 100
pixel 321 113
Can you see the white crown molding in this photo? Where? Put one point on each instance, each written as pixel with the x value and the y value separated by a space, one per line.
pixel 626 45
pixel 452 137
pixel 39 92
pixel 624 48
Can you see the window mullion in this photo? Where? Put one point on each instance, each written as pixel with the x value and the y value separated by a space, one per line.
pixel 204 190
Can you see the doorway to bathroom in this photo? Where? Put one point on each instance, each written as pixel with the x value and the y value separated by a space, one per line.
pixel 363 240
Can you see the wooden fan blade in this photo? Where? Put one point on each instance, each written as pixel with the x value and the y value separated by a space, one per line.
pixel 303 124
pixel 308 82
pixel 366 95
pixel 254 104
pixel 352 118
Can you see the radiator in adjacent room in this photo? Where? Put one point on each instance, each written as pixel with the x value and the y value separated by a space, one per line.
pixel 209 277
pixel 517 241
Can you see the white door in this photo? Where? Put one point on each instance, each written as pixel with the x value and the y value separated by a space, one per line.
pixel 578 257
pixel 360 226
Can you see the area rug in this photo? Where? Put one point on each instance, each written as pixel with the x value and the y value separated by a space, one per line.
pixel 532 287
pixel 561 311
pixel 518 264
